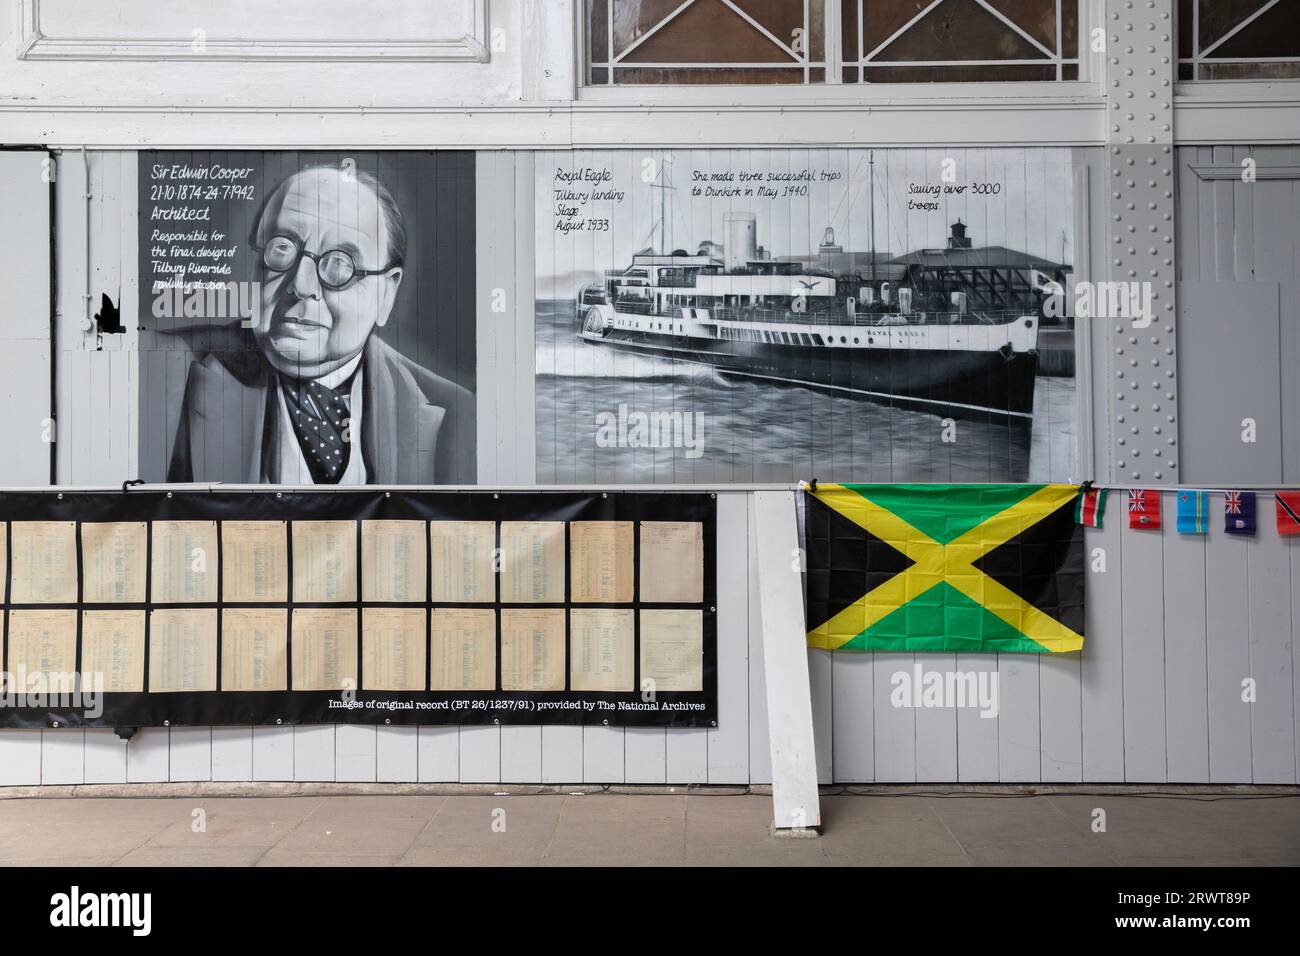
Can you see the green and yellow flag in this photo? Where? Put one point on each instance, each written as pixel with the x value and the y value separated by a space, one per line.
pixel 969 568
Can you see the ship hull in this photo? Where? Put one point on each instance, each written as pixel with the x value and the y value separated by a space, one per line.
pixel 960 384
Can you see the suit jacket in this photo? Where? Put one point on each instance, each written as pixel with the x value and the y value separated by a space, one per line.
pixel 417 427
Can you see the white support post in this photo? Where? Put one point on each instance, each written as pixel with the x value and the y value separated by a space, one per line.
pixel 795 802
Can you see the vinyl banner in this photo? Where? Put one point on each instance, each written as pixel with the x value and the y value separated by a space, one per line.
pixel 766 315
pixel 307 317
pixel 145 608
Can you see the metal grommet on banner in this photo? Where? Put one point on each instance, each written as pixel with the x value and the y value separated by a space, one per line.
pixel 388 494
pixel 55 724
pixel 60 496
pixel 167 723
pixel 169 494
pixel 496 720
pixel 605 721
pixel 278 720
pixel 495 495
pixel 604 494
pixel 388 720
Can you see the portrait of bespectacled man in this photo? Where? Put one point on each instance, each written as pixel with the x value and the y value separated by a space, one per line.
pixel 307 383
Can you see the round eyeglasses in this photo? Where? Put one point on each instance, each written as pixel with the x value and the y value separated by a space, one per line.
pixel 335 268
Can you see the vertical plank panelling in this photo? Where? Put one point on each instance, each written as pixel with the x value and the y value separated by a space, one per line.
pixel 977 735
pixel 645 755
pixel 823 701
pixel 1101 664
pixel 191 753
pixel 1142 613
pixel 936 727
pixel 232 753
pixel 354 753
pixel 1272 718
pixel 1185 652
pixel 20 758
pixel 562 754
pixel 760 756
pixel 602 754
pixel 272 753
pixel 854 739
pixel 313 752
pixel 1018 737
pixel 1227 656
pixel 480 754
pixel 105 757
pixel 686 757
pixel 729 741
pixel 146 755
pixel 895 725
pixel 521 754
pixel 396 754
pixel 63 755
pixel 495 371
pixel 523 461
pixel 439 754
pixel 1060 724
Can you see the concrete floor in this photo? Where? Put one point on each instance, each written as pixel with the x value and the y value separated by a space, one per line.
pixel 649 828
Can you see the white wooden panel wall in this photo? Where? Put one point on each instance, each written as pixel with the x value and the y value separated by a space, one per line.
pixel 1174 624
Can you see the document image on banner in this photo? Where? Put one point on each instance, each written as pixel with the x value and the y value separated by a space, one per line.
pixel 672 649
pixel 324 561
pixel 324 648
pixel 672 562
pixel 112 651
pixel 393 643
pixel 462 554
pixel 114 559
pixel 43 642
pixel 254 646
pixel 254 561
pixel 601 652
pixel 532 649
pixel 463 649
pixel 44 562
pixel 393 565
pixel 601 562
pixel 182 650
pixel 184 562
pixel 532 562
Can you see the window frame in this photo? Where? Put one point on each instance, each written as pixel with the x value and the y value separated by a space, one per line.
pixel 1091 71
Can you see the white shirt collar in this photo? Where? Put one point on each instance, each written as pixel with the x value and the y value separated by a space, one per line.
pixel 340 375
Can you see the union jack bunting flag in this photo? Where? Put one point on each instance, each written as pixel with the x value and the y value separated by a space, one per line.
pixel 1239 512
pixel 1143 508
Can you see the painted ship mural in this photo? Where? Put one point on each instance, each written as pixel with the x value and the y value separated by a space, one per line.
pixel 956 330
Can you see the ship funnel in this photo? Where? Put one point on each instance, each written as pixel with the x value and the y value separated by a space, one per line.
pixel 742 240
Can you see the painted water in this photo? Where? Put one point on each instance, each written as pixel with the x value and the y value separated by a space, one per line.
pixel 714 428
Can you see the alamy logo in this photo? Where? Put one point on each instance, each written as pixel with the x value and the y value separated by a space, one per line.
pixel 917 688
pixel 74 908
pixel 1106 300
pixel 674 429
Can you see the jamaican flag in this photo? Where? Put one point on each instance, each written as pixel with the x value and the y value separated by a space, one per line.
pixel 966 568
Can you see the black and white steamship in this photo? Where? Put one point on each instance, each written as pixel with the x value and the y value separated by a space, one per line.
pixel 954 330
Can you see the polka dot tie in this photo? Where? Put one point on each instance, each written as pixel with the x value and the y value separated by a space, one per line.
pixel 319 415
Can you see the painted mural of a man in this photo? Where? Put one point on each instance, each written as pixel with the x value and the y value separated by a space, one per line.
pixel 310 394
